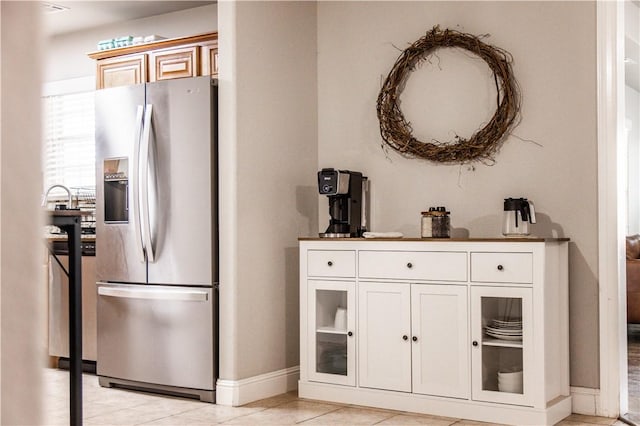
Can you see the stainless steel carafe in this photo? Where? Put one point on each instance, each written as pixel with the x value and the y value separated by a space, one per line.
pixel 518 214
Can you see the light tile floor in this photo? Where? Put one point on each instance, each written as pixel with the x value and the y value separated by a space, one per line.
pixel 109 406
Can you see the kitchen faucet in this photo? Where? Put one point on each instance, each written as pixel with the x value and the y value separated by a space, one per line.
pixel 46 195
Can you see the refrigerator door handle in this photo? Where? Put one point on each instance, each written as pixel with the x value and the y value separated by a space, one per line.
pixel 144 182
pixel 151 294
pixel 136 184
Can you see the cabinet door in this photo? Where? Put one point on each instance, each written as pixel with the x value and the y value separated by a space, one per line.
pixel 440 340
pixel 209 59
pixel 174 63
pixel 502 353
pixel 121 71
pixel 384 336
pixel 331 322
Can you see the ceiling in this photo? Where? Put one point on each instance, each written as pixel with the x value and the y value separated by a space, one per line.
pixel 82 15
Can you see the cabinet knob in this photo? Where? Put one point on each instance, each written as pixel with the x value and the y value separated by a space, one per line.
pixel 405 337
pixel 409 265
pixel 500 267
pixel 475 343
pixel 414 338
pixel 330 263
pixel 350 333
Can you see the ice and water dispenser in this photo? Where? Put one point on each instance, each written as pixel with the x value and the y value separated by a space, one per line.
pixel 116 190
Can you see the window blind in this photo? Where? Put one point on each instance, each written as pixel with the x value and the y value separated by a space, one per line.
pixel 69 147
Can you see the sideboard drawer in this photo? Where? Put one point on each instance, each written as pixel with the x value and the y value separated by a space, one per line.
pixel 331 263
pixel 417 265
pixel 502 268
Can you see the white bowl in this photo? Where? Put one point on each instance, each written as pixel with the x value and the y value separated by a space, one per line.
pixel 510 375
pixel 510 381
pixel 512 388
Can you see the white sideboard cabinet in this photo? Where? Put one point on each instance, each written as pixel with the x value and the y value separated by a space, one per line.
pixel 470 328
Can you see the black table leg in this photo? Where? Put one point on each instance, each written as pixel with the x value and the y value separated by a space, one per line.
pixel 75 320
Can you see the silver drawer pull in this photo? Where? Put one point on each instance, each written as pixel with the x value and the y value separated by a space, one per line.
pixel 148 294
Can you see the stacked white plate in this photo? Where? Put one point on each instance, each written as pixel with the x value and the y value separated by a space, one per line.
pixel 505 329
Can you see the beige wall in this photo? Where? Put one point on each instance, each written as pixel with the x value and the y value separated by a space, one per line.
pixel 66 54
pixel 632 113
pixel 22 281
pixel 287 110
pixel 358 42
pixel 632 116
pixel 268 157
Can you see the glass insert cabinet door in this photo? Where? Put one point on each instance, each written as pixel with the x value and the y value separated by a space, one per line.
pixel 331 310
pixel 502 347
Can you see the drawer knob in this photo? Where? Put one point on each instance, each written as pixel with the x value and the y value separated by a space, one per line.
pixel 350 333
pixel 405 337
pixel 414 338
pixel 475 343
pixel 409 265
pixel 500 267
pixel 330 263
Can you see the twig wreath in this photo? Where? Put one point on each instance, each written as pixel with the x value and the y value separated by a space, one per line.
pixel 482 145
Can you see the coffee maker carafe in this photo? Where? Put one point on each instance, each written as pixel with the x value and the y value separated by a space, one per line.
pixel 518 214
pixel 347 192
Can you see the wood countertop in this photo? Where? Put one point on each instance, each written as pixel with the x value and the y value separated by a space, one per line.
pixel 63 237
pixel 68 212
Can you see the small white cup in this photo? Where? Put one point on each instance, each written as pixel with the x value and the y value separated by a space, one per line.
pixel 340 321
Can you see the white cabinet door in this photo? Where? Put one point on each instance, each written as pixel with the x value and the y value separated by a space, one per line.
pixel 502 353
pixel 331 322
pixel 384 336
pixel 440 340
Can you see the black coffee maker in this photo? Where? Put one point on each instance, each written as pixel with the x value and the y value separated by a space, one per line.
pixel 347 192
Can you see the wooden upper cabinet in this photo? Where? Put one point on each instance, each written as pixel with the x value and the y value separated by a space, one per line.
pixel 121 71
pixel 209 59
pixel 161 60
pixel 174 63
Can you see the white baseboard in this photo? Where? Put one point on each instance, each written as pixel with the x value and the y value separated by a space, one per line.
pixel 551 414
pixel 240 392
pixel 585 401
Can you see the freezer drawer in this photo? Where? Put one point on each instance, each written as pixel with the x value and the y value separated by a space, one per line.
pixel 157 335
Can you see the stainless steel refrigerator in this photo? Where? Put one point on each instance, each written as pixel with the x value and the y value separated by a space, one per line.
pixel 156 236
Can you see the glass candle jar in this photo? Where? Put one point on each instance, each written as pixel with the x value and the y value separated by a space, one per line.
pixel 435 223
pixel 426 224
pixel 441 224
